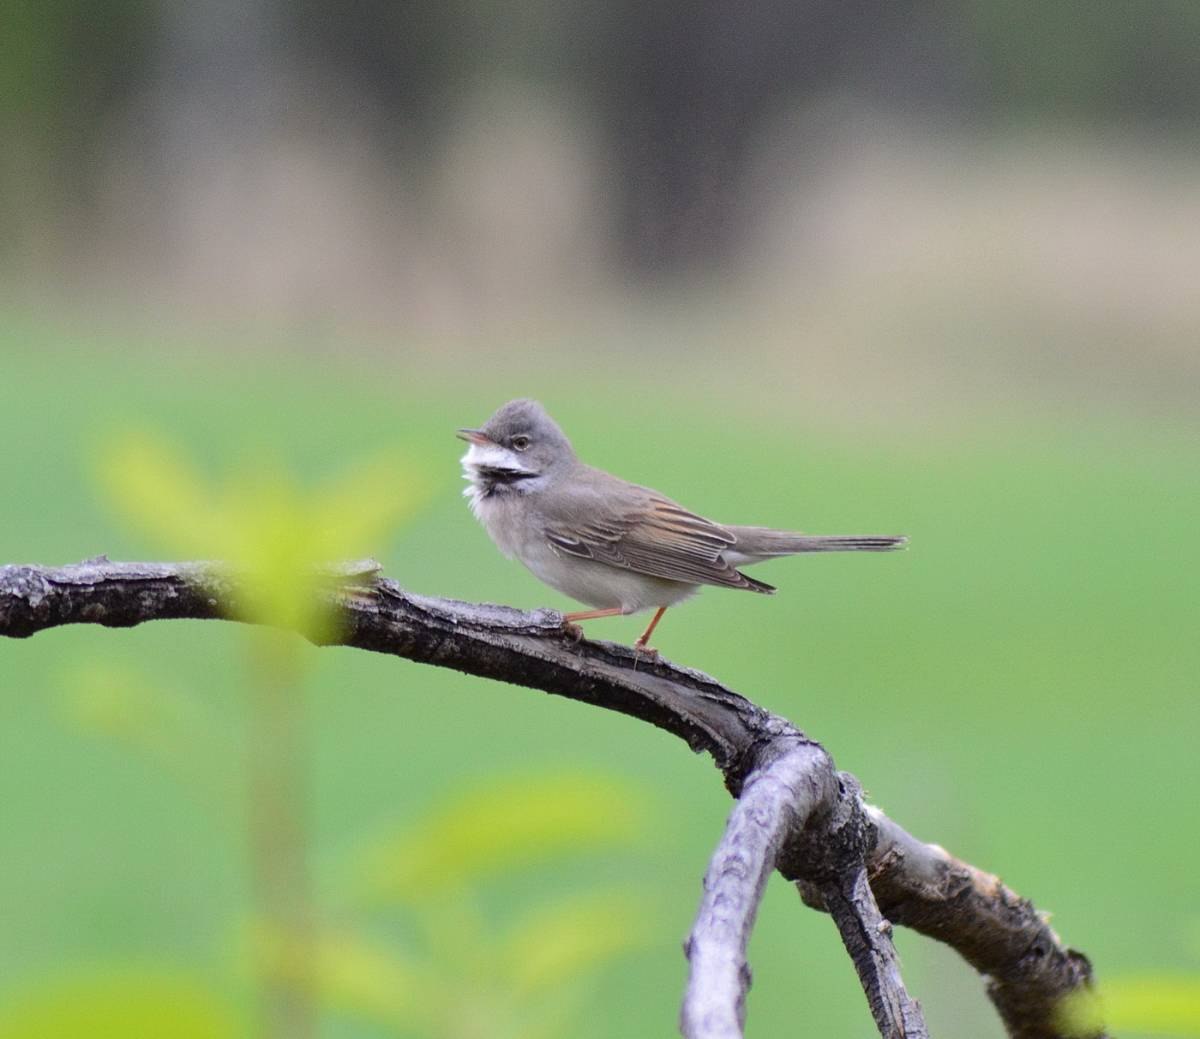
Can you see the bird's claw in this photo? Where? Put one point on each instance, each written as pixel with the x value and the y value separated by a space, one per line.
pixel 640 650
pixel 573 631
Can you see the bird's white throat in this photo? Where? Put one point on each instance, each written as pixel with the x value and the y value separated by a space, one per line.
pixel 491 469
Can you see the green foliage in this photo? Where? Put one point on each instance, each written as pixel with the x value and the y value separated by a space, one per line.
pixel 359 976
pixel 126 1004
pixel 449 971
pixel 1082 58
pixel 154 718
pixel 1151 1004
pixel 509 824
pixel 527 973
pixel 455 973
pixel 558 943
pixel 259 521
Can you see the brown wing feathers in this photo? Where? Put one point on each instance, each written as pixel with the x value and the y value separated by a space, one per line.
pixel 661 539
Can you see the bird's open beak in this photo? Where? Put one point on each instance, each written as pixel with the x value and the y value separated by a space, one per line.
pixel 472 436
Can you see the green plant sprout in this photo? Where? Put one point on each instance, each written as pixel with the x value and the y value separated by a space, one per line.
pixel 272 533
pixel 422 939
pixel 1146 1004
pixel 109 1003
pixel 276 538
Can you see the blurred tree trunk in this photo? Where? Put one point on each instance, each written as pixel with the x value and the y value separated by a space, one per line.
pixel 217 97
pixel 687 89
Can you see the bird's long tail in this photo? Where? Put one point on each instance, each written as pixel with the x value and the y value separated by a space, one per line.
pixel 763 541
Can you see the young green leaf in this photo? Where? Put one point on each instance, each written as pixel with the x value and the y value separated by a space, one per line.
pixel 509 825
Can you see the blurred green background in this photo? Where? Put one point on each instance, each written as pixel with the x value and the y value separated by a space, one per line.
pixel 852 268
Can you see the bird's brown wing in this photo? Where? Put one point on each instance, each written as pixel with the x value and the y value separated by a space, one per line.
pixel 653 535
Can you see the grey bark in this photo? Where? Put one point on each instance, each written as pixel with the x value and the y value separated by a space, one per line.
pixel 777 800
pixel 795 811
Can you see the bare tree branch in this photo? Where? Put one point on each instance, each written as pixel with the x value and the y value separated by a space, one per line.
pixel 867 938
pixel 838 870
pixel 828 834
pixel 1000 934
pixel 777 800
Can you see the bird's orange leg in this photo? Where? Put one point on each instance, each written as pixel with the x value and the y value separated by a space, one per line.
pixel 589 615
pixel 640 644
pixel 575 631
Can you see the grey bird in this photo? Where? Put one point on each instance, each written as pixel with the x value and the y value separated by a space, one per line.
pixel 614 545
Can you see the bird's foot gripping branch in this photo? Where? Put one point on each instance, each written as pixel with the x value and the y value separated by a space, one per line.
pixel 794 812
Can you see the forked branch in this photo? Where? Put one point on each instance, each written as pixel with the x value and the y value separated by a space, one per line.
pixel 794 813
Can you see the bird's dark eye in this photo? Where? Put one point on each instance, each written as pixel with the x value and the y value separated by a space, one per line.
pixel 520 442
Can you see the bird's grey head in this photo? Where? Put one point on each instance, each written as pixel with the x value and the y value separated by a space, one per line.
pixel 514 449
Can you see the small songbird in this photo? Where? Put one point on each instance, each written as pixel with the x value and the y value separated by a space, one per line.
pixel 618 547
